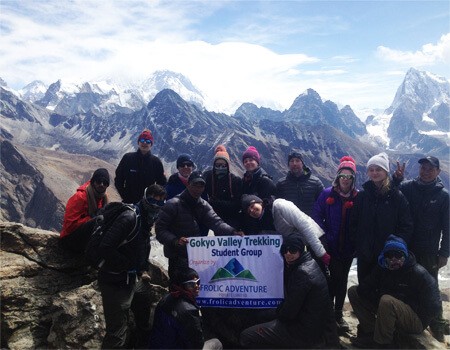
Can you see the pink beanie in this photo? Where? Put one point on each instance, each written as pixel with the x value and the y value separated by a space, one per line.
pixel 347 162
pixel 252 153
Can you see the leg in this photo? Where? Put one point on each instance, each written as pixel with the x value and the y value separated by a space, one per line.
pixel 364 311
pixel 392 315
pixel 78 239
pixel 364 268
pixel 141 307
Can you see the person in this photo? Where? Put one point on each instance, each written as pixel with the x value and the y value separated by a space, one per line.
pixel 124 277
pixel 177 182
pixel 224 189
pixel 429 205
pixel 256 181
pixel 332 213
pixel 399 295
pixel 299 186
pixel 302 316
pixel 283 217
pixel 81 209
pixel 378 209
pixel 178 322
pixel 182 217
pixel 138 170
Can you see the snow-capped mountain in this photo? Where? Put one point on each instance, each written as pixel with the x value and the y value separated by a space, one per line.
pixel 34 91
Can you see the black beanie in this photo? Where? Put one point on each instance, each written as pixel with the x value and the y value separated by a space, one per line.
pixel 293 240
pixel 295 154
pixel 100 174
pixel 184 275
pixel 184 158
pixel 248 199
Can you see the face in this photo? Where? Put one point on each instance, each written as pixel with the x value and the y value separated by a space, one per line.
pixel 346 179
pixel 185 169
pixel 144 146
pixel 196 189
pixel 193 286
pixel 220 163
pixel 394 259
pixel 377 174
pixel 428 173
pixel 100 186
pixel 250 164
pixel 291 255
pixel 296 166
pixel 255 210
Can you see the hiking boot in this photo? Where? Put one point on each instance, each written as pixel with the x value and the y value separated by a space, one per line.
pixel 438 335
pixel 342 325
pixel 364 342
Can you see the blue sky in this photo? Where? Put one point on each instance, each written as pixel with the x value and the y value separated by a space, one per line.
pixel 266 52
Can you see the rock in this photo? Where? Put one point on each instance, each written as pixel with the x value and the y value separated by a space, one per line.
pixel 49 297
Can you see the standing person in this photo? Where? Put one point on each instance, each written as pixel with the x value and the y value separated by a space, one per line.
pixel 398 295
pixel 177 182
pixel 429 205
pixel 332 212
pixel 81 209
pixel 182 217
pixel 379 210
pixel 300 186
pixel 256 181
pixel 178 322
pixel 224 189
pixel 302 316
pixel 139 169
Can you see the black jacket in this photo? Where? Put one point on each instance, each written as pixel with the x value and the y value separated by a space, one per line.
pixel 135 173
pixel 375 217
pixel 306 304
pixel 183 216
pixel 258 183
pixel 303 190
pixel 224 195
pixel 411 284
pixel 429 205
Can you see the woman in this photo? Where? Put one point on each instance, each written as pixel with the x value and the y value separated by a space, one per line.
pixel 380 209
pixel 178 181
pixel 224 189
pixel 332 212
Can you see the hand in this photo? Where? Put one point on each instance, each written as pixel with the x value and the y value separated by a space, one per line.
pixel 239 233
pixel 182 241
pixel 442 261
pixel 400 171
pixel 146 277
pixel 326 259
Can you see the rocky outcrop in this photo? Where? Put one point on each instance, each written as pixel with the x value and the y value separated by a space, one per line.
pixel 49 298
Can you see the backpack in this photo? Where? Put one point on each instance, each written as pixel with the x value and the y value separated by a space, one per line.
pixel 105 219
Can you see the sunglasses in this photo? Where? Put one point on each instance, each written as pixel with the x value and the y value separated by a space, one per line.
pixel 291 250
pixel 346 176
pixel 186 165
pixel 145 141
pixel 394 254
pixel 102 182
pixel 192 283
pixel 220 166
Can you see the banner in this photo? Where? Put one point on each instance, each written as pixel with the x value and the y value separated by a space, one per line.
pixel 238 272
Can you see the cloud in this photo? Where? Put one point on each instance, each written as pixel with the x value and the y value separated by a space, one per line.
pixel 428 55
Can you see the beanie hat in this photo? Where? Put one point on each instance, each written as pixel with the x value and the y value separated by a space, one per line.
pixel 100 174
pixel 295 154
pixel 293 240
pixel 347 162
pixel 146 134
pixel 195 177
pixel 252 153
pixel 249 199
pixel 393 242
pixel 381 159
pixel 221 153
pixel 184 158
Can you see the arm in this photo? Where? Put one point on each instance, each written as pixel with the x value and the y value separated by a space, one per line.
pixel 192 332
pixel 404 227
pixel 212 221
pixel 295 296
pixel 318 212
pixel 119 180
pixel 159 173
pixel 76 213
pixel 266 187
pixel 166 217
pixel 445 242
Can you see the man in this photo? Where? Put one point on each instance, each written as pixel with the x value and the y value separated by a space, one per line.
pixel 300 186
pixel 81 209
pixel 182 217
pixel 398 296
pixel 178 321
pixel 429 205
pixel 302 317
pixel 139 169
pixel 124 276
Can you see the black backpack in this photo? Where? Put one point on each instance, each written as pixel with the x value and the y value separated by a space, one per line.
pixel 105 219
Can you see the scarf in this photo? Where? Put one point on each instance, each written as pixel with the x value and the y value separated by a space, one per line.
pixel 180 292
pixel 183 179
pixel 93 198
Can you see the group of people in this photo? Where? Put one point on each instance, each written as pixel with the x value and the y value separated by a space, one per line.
pixel 398 231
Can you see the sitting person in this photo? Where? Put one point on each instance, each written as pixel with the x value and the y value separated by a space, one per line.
pixel 398 296
pixel 302 317
pixel 178 322
pixel 81 208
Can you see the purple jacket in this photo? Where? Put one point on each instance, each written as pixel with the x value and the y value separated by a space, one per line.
pixel 327 212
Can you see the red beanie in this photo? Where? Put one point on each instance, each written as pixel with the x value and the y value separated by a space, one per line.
pixel 146 134
pixel 252 153
pixel 221 153
pixel 347 162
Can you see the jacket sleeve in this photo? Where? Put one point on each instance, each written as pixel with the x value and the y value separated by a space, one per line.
pixel 212 221
pixel 445 243
pixel 318 212
pixel 354 218
pixel 160 176
pixel 429 297
pixel 266 188
pixel 295 296
pixel 166 216
pixel 192 332
pixel 119 180
pixel 76 213
pixel 404 227
pixel 369 288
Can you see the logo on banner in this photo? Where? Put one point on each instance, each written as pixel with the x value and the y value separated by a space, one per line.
pixel 232 270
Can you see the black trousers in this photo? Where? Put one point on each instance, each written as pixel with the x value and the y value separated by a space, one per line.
pixel 337 282
pixel 78 239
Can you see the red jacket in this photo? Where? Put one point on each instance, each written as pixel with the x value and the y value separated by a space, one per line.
pixel 77 210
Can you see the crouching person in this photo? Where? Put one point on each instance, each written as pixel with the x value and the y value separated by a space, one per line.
pixel 302 316
pixel 398 296
pixel 178 323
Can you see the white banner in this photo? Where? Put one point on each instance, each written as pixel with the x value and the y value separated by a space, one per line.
pixel 238 272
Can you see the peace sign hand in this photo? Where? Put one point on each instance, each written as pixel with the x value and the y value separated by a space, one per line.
pixel 400 171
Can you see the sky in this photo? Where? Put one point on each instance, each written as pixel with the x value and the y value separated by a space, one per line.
pixel 267 52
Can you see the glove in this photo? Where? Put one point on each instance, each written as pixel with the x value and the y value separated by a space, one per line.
pixel 326 259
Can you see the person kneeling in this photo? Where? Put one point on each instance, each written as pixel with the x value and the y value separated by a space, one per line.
pixel 398 296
